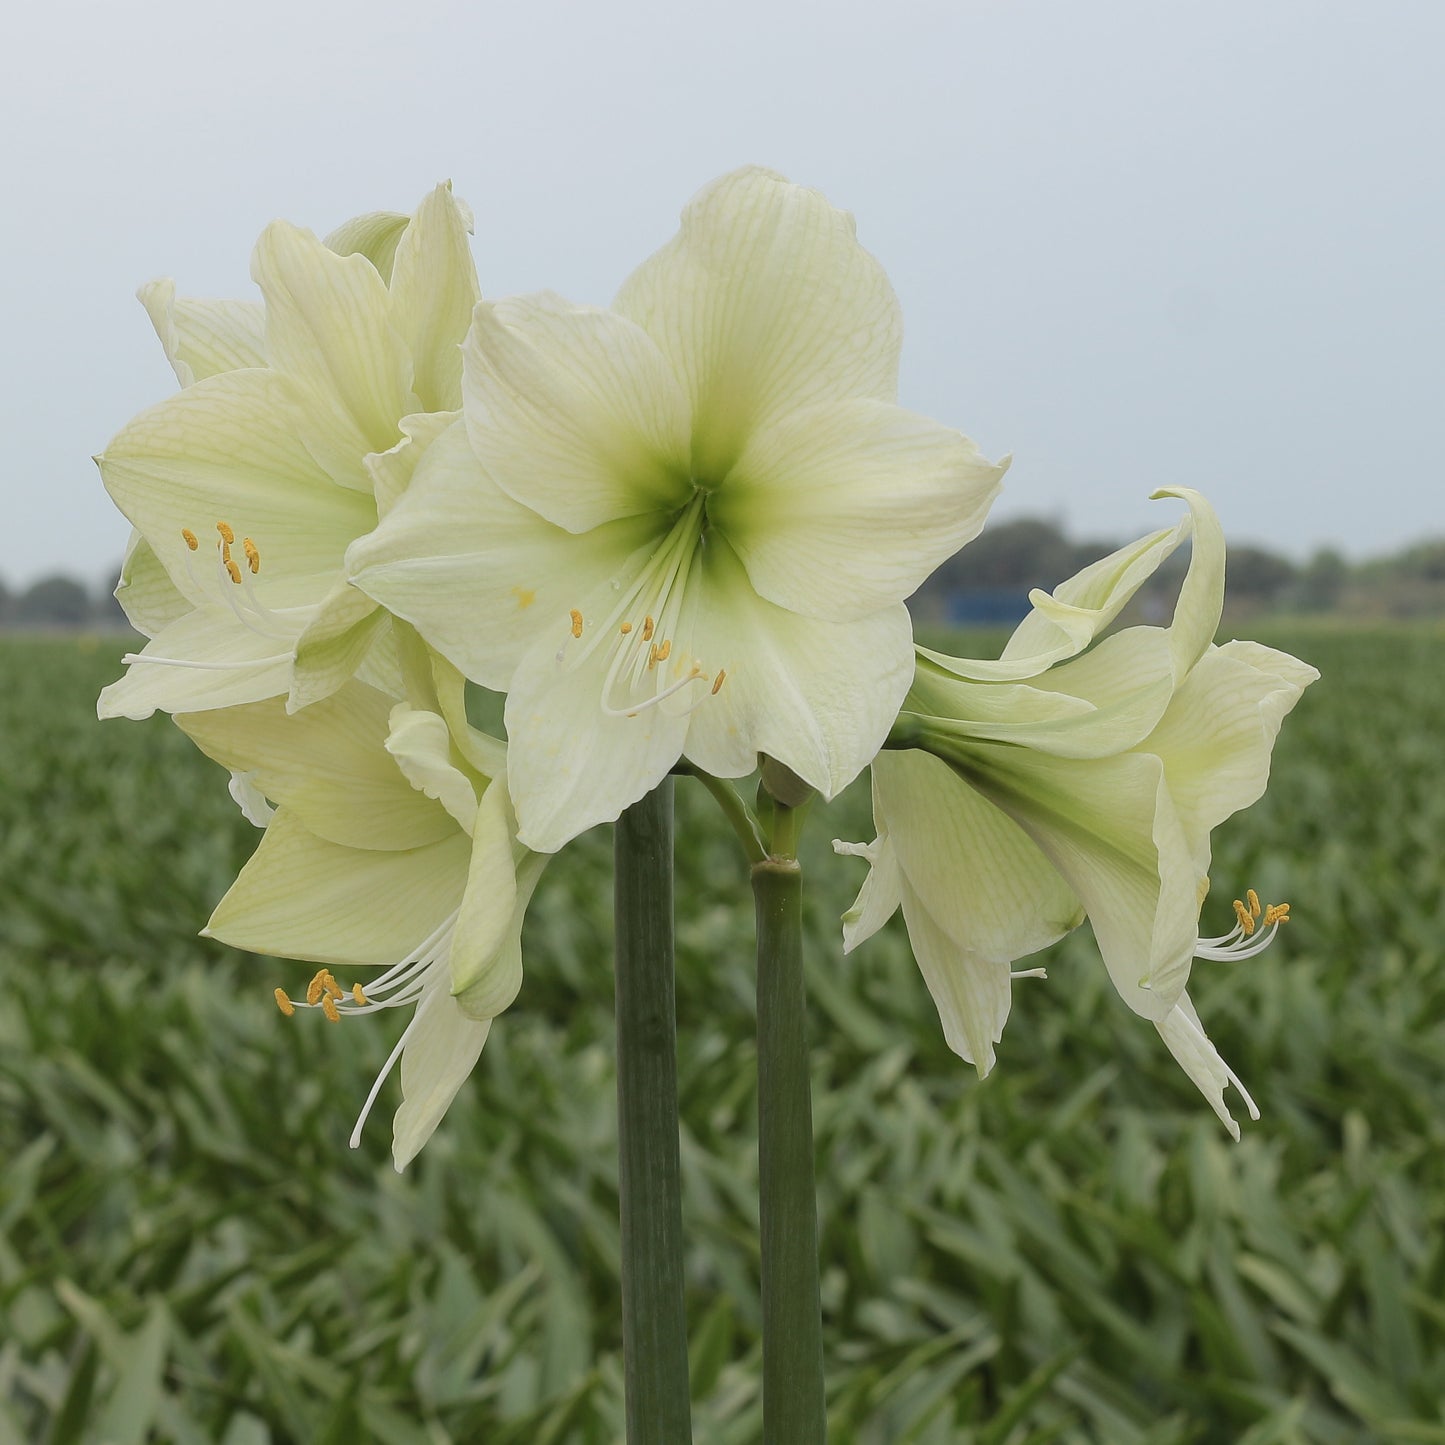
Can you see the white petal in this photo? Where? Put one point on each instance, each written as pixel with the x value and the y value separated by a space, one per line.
pixel 148 597
pixel 391 471
pixel 982 880
pixel 224 450
pixel 421 746
pixel 1189 1044
pixel 433 289
pixel 479 575
pixel 764 303
pixel 334 644
pixel 818 696
pixel 441 1050
pixel 328 766
pixel 574 411
pixel 303 897
pixel 250 668
pixel 328 332
pixel 971 993
pixel 375 235
pixel 843 508
pixel 569 764
pixel 203 337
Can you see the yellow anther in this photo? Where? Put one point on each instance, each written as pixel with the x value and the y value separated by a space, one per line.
pixel 233 571
pixel 253 556
pixel 283 1003
pixel 316 988
pixel 190 538
pixel 1253 903
pixel 328 1007
pixel 329 983
pixel 626 628
pixel 664 651
pixel 358 995
pixel 576 623
pixel 717 682
pixel 648 627
pixel 1276 913
pixel 1246 918
pixel 228 534
pixel 652 655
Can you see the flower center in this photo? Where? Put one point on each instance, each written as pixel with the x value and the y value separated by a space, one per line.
pixel 646 666
pixel 1254 930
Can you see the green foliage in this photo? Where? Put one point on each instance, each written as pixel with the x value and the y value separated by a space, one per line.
pixel 1070 1252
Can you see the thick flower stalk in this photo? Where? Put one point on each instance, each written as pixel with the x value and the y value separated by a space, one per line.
pixel 390 847
pixel 1059 782
pixel 299 420
pixel 685 526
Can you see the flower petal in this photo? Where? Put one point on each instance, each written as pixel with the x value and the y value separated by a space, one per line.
pixel 881 895
pixel 574 411
pixel 328 331
pixel 972 993
pixel 843 508
pixel 203 337
pixel 571 765
pixel 334 643
pixel 147 596
pixel 1181 1030
pixel 246 668
pixel 420 745
pixel 328 766
pixel 391 471
pixel 375 236
pixel 433 289
pixel 223 450
pixel 442 1048
pixel 764 303
pixel 480 576
pixel 301 896
pixel 984 882
pixel 818 696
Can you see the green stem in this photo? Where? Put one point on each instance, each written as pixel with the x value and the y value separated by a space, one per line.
pixel 654 1321
pixel 793 1404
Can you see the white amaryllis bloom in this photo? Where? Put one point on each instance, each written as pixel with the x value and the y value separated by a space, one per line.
pixel 1058 782
pixel 685 525
pixel 389 847
pixel 299 418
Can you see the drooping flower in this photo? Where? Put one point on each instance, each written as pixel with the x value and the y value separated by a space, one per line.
pixel 685 526
pixel 1058 782
pixel 390 846
pixel 299 418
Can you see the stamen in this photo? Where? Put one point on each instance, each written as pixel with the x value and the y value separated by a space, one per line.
pixel 233 571
pixel 664 651
pixel 1253 903
pixel 652 656
pixel 1029 973
pixel 328 1007
pixel 625 628
pixel 718 681
pixel 315 988
pixel 648 626
pixel 190 538
pixel 1247 937
pixel 576 623
pixel 228 534
pixel 1246 918
pixel 283 1003
pixel 329 983
pixel 253 556
pixel 359 995
pixel 131 657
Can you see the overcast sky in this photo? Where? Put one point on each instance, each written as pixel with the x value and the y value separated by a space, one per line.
pixel 1136 243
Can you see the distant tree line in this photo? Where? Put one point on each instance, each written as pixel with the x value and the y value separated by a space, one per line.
pixel 990 580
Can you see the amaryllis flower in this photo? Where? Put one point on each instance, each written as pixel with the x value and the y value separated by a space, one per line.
pixel 685 526
pixel 299 417
pixel 1058 782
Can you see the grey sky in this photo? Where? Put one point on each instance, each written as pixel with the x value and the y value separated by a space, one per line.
pixel 1136 243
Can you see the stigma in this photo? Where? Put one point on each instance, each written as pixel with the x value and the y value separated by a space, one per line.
pixel 1255 927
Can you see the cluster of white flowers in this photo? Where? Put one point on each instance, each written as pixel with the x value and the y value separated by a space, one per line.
pixel 682 527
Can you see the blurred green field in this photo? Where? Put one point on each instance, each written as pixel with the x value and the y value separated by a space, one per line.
pixel 1071 1252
